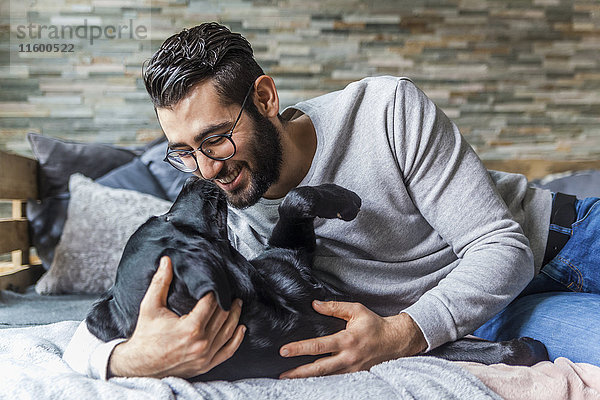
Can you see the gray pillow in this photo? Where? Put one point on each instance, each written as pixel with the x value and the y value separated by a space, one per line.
pixel 57 161
pixel 100 220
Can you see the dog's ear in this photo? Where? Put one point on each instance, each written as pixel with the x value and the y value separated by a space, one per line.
pixel 101 321
pixel 203 270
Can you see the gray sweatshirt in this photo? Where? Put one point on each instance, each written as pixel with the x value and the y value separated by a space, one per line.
pixel 433 238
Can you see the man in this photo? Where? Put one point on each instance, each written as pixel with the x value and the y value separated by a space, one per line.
pixel 433 254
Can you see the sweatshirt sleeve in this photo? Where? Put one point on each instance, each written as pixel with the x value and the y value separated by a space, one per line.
pixel 455 194
pixel 88 355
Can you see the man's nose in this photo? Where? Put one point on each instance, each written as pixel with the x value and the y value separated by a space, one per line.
pixel 208 167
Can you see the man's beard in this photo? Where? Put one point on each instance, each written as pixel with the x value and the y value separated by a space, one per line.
pixel 265 148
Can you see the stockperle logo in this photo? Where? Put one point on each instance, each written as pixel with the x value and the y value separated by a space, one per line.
pixel 46 29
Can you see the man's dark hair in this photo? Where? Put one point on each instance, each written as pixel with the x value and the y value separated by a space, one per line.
pixel 206 51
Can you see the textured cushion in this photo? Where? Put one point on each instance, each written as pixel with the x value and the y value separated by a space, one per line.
pixel 59 159
pixel 100 220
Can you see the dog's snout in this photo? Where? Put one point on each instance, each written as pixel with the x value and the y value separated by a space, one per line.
pixel 204 187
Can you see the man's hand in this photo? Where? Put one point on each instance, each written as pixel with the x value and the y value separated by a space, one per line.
pixel 164 344
pixel 367 340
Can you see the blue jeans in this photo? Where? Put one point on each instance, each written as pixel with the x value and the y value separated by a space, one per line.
pixel 561 306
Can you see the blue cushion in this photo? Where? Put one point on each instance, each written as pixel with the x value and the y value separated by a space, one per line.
pixel 581 183
pixel 133 176
pixel 170 179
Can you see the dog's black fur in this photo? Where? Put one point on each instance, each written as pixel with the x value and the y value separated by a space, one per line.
pixel 277 287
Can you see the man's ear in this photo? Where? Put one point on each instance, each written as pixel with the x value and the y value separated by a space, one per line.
pixel 266 97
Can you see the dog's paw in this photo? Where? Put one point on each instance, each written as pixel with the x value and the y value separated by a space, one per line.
pixel 325 201
pixel 525 351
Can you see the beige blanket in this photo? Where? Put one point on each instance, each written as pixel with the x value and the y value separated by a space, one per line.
pixel 561 379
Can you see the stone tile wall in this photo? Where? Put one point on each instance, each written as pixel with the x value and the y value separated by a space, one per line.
pixel 521 78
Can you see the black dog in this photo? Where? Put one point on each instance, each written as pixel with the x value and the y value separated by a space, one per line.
pixel 277 287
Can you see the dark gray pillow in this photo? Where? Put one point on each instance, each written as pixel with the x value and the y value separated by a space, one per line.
pixel 46 221
pixel 59 159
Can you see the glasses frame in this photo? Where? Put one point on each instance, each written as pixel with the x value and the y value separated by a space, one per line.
pixel 227 136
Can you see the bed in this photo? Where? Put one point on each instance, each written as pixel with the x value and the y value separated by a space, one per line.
pixel 35 328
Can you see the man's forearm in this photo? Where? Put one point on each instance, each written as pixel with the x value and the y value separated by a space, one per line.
pixel 411 338
pixel 126 361
pixel 471 294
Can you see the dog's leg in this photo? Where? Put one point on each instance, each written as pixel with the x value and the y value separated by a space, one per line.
pixel 295 228
pixel 520 351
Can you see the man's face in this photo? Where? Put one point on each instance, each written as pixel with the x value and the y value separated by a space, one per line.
pixel 257 162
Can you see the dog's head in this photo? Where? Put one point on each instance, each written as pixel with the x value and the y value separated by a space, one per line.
pixel 199 219
pixel 202 206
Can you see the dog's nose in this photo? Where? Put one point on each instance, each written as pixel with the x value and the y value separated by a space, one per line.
pixel 197 183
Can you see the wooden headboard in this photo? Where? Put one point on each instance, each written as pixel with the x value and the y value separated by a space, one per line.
pixel 18 182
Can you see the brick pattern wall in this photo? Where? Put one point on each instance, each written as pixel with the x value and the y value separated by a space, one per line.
pixel 521 78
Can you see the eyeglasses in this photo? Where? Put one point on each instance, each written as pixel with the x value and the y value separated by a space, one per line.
pixel 219 147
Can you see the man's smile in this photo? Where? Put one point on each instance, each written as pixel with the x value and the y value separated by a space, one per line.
pixel 231 180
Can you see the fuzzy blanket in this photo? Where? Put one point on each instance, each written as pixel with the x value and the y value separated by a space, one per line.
pixel 31 366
